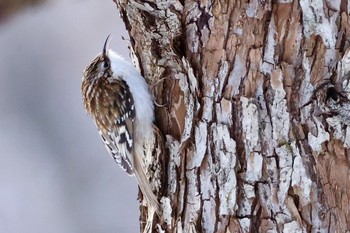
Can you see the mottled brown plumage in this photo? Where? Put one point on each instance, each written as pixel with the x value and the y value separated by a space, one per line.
pixel 111 105
pixel 109 100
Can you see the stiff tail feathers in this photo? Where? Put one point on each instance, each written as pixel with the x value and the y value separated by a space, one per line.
pixel 145 186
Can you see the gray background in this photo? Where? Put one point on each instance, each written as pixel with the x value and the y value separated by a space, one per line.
pixel 55 175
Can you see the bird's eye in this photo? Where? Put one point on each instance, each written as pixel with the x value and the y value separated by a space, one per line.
pixel 105 64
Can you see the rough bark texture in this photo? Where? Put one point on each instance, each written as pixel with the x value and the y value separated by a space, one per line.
pixel 256 114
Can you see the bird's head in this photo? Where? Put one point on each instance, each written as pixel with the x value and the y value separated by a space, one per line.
pixel 100 65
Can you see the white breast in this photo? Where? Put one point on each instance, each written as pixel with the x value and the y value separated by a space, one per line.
pixel 140 91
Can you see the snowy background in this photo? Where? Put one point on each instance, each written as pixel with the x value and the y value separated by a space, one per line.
pixel 55 175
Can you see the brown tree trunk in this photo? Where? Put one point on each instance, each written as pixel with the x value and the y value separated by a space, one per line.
pixel 256 114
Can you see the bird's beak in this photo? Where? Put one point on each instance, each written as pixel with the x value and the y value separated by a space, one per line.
pixel 104 51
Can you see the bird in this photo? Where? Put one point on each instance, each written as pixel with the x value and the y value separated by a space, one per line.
pixel 118 99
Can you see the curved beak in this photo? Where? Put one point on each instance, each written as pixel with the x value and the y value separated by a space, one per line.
pixel 104 51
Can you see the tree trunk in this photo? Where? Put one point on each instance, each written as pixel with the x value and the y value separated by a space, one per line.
pixel 255 116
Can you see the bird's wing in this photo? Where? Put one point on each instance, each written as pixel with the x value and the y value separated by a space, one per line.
pixel 117 133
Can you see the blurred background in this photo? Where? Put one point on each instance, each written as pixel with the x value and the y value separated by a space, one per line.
pixel 55 174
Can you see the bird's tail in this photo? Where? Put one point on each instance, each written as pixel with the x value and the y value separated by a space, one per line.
pixel 144 185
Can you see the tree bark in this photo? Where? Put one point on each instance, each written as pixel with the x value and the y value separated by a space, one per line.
pixel 255 116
